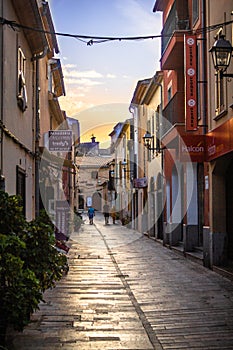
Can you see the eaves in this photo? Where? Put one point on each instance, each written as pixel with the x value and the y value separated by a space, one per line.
pixel 28 14
pixel 49 27
pixel 140 90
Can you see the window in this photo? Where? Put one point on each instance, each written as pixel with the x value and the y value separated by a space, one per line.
pixel 21 91
pixel 158 134
pixel 21 186
pixel 94 175
pixel 195 10
pixel 169 93
pixel 219 97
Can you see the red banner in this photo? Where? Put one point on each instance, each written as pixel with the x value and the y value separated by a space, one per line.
pixel 190 50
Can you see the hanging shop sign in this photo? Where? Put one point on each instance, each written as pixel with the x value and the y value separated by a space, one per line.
pixel 60 140
pixel 140 182
pixel 190 82
pixel 220 140
pixel 62 219
pixel 89 201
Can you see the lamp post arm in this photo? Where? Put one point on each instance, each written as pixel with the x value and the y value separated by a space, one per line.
pixel 226 75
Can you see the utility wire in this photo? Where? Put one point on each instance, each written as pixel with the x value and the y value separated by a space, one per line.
pixel 90 40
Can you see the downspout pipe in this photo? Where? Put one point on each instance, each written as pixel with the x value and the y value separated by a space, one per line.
pixel 204 60
pixel 36 58
pixel 162 214
pixel 2 178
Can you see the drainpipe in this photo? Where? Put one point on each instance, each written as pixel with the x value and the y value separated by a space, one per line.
pixel 37 140
pixel 204 60
pixel 162 215
pixel 2 179
pixel 132 159
pixel 37 131
pixel 200 171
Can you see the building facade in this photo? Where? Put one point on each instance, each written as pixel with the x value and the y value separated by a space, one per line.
pixel 140 194
pixel 197 111
pixel 122 170
pixel 146 109
pixel 29 107
pixel 218 176
pixel 92 180
pixel 18 58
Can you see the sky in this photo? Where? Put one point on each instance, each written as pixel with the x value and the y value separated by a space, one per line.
pixel 100 79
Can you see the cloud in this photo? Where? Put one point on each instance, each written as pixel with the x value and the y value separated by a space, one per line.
pixel 69 65
pixel 72 105
pixel 75 77
pixel 87 78
pixel 111 76
pixel 92 74
pixel 84 82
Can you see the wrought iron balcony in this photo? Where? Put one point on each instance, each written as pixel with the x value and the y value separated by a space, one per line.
pixel 176 24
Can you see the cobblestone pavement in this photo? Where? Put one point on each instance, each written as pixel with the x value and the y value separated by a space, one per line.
pixel 125 291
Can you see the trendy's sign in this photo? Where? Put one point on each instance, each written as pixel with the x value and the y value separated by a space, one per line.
pixel 60 140
pixel 190 82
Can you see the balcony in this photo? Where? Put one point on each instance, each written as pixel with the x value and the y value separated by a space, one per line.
pixel 176 25
pixel 174 112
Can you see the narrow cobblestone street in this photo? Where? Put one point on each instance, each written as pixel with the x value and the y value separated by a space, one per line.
pixel 125 291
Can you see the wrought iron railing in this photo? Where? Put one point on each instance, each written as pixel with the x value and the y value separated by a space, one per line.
pixel 177 19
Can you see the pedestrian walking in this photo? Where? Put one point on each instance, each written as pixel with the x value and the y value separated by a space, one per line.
pixel 113 214
pixel 106 213
pixel 91 214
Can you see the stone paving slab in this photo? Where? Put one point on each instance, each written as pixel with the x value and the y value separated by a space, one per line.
pixel 88 309
pixel 187 305
pixel 127 292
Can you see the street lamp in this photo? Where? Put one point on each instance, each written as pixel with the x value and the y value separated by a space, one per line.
pixel 221 53
pixel 148 141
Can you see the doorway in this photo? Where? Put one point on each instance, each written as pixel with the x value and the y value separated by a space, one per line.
pixel 229 210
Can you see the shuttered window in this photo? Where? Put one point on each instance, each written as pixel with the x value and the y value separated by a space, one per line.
pixel 195 10
pixel 21 186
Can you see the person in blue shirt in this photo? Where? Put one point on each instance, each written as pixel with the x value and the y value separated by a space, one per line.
pixel 91 213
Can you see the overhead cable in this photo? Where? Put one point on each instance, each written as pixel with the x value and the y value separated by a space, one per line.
pixel 90 40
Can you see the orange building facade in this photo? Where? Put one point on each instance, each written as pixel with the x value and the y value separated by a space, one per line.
pixel 197 109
